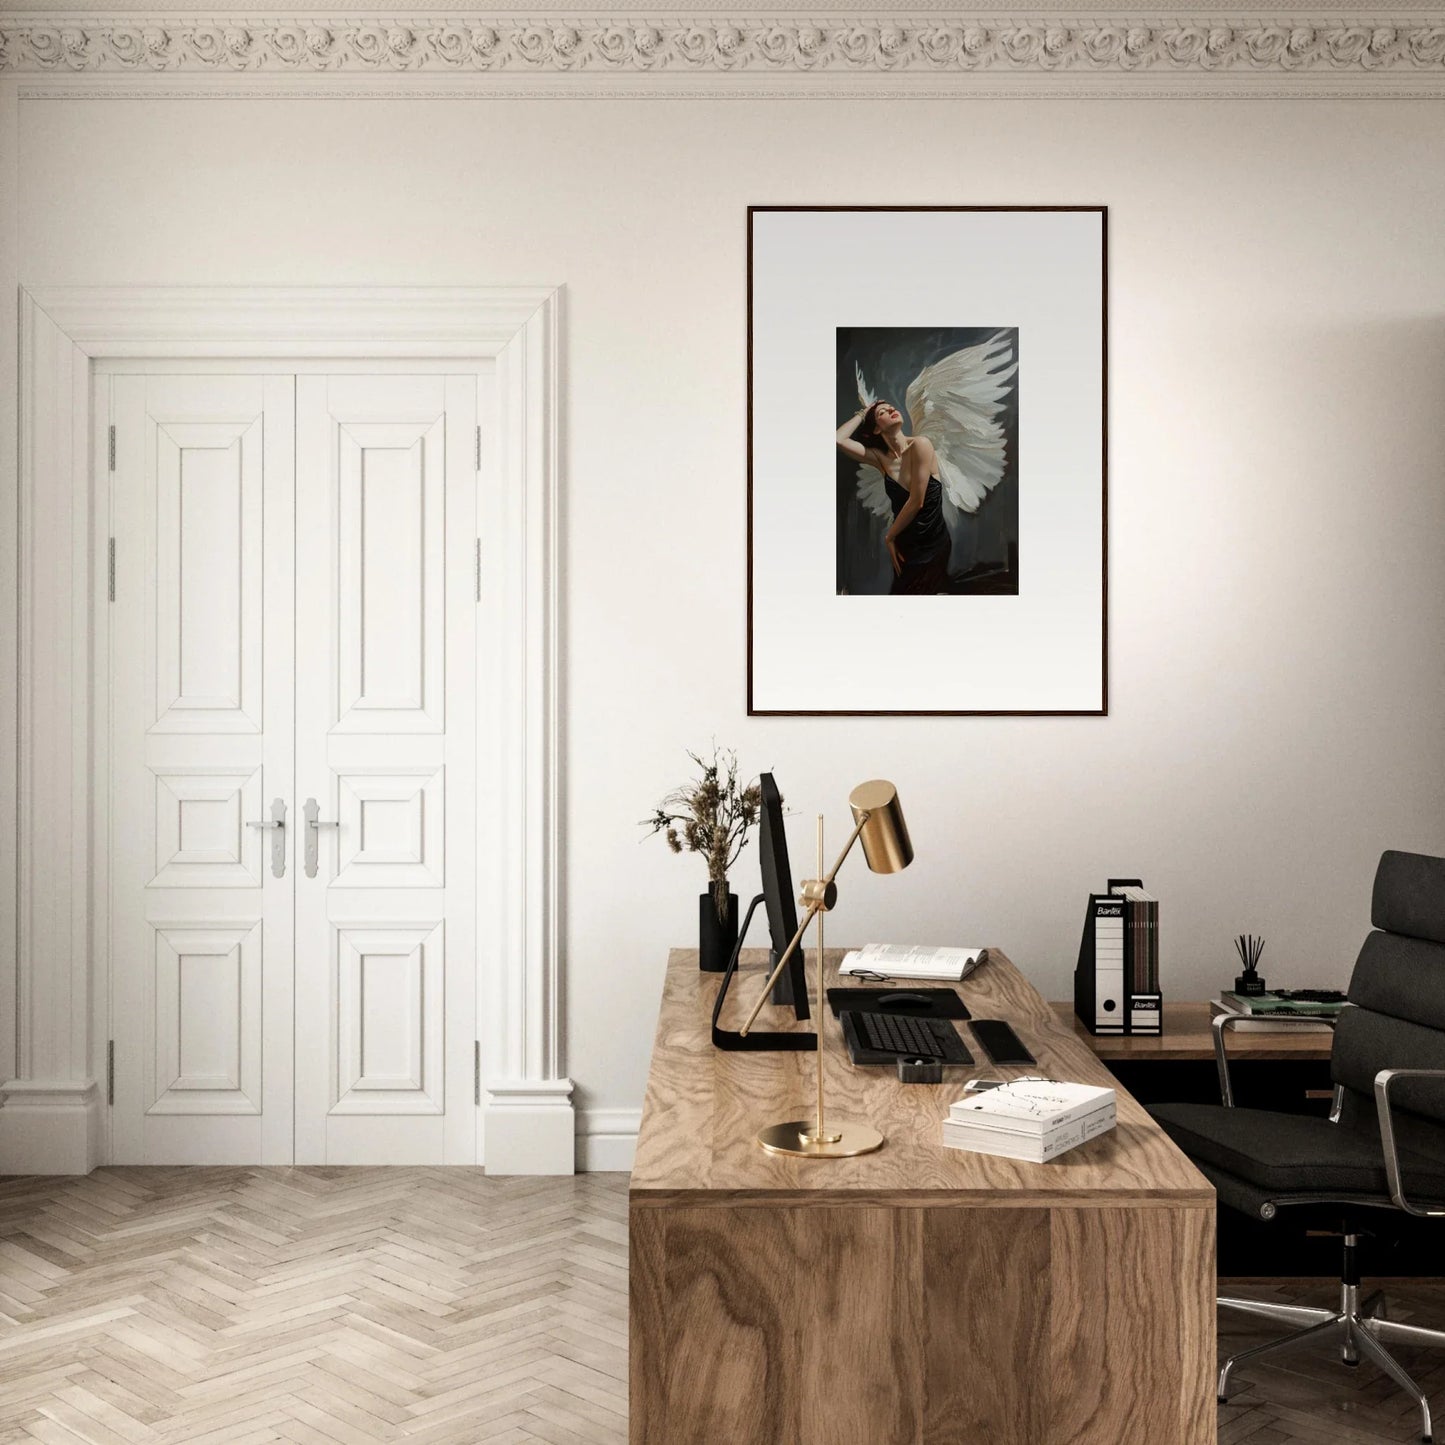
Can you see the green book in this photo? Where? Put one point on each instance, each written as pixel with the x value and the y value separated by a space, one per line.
pixel 1272 1003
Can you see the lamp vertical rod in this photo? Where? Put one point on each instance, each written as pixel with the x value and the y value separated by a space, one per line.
pixel 819 1135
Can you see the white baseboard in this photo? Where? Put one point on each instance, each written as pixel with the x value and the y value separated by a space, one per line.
pixel 607 1139
pixel 49 1127
pixel 56 1129
pixel 530 1128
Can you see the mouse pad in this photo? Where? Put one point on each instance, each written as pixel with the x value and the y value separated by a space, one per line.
pixel 918 1003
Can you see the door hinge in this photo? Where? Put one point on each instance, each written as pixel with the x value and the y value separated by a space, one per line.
pixel 110 570
pixel 479 569
pixel 111 446
pixel 479 449
pixel 110 1072
pixel 477 1072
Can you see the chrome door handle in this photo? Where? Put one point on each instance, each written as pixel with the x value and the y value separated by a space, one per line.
pixel 314 825
pixel 276 822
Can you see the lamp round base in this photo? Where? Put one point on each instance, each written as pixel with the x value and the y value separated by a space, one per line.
pixel 796 1137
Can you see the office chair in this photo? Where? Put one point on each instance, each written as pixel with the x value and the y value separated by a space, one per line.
pixel 1381 1151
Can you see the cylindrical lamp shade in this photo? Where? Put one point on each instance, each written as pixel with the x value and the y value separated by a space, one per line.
pixel 885 840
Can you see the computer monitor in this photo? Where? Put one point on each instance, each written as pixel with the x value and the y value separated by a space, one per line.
pixel 791 987
pixel 777 898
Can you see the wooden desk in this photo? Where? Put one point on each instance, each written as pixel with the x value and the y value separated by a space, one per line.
pixel 1187 1036
pixel 918 1294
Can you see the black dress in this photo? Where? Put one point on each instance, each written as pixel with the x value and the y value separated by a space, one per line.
pixel 924 544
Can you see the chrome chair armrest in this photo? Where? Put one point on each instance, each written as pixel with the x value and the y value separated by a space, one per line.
pixel 1383 1080
pixel 1222 1023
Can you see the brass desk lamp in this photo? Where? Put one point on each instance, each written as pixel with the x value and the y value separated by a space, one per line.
pixel 878 822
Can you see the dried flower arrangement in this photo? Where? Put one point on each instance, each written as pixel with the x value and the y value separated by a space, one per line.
pixel 711 816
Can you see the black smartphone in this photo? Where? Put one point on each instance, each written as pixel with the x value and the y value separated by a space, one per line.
pixel 1000 1042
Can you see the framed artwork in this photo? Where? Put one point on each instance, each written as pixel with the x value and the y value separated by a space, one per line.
pixel 946 551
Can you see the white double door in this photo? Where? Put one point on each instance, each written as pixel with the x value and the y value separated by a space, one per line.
pixel 293 643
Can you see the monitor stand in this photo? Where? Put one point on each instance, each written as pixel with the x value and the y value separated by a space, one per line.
pixel 755 1040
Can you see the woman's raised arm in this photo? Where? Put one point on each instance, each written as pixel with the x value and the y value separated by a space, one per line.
pixel 844 437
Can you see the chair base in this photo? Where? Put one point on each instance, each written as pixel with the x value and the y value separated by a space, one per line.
pixel 1359 1326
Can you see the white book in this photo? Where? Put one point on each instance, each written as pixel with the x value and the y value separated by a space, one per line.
pixel 903 960
pixel 990 1128
pixel 1031 1106
pixel 1034 1148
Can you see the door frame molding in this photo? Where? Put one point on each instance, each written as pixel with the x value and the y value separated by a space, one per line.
pixel 52 1117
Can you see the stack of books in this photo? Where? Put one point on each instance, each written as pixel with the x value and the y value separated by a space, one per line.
pixel 1260 1011
pixel 1032 1119
pixel 1141 949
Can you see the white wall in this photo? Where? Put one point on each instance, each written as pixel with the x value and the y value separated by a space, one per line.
pixel 1277 489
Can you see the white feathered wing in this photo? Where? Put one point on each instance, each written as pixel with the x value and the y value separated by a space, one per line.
pixel 865 392
pixel 955 404
pixel 871 491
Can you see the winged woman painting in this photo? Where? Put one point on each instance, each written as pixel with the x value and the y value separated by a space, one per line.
pixel 928 501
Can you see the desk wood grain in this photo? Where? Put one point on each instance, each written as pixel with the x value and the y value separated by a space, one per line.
pixel 704 1106
pixel 919 1295
pixel 1187 1036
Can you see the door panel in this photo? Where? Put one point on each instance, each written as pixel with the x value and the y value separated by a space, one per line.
pixel 393 824
pixel 391 572
pixel 207 1020
pixel 390 989
pixel 209 561
pixel 385 728
pixel 201 698
pixel 201 835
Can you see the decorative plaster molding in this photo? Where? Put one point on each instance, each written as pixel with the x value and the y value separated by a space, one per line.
pixel 530 1127
pixel 705 12
pixel 705 46
pixel 355 321
pixel 50 1126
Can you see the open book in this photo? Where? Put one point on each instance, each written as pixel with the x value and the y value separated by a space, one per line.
pixel 902 960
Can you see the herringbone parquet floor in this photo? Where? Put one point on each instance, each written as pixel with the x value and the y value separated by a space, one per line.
pixel 348 1306
pixel 319 1306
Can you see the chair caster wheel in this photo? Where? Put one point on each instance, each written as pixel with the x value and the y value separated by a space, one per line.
pixel 1221 1399
pixel 1353 1364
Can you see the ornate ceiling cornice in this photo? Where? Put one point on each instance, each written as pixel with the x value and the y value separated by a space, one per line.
pixel 891 45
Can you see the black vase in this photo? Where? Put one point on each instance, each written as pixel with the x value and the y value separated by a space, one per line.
pixel 716 937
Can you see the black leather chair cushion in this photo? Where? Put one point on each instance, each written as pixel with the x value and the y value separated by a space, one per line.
pixel 1372 1211
pixel 1409 895
pixel 1292 1153
pixel 1366 1042
pixel 1404 978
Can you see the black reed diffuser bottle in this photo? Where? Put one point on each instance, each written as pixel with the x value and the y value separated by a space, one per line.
pixel 1249 948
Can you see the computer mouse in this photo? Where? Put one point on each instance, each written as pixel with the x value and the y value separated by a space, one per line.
pixel 903 1000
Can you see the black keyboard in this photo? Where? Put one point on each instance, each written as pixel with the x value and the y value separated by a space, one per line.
pixel 882 1038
